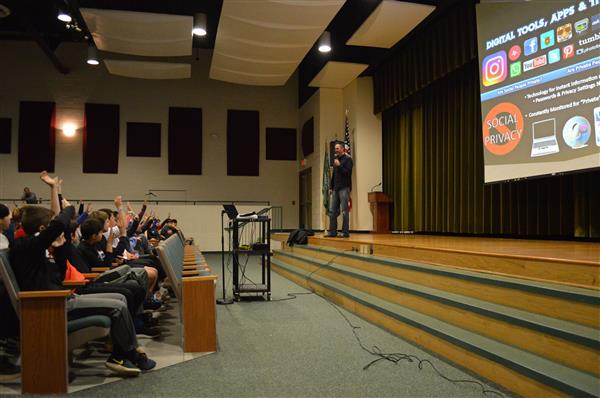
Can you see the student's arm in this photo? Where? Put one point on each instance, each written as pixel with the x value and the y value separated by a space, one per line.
pixel 133 227
pixel 60 256
pixel 147 224
pixel 82 218
pixel 54 184
pixel 80 211
pixel 123 241
pixel 143 211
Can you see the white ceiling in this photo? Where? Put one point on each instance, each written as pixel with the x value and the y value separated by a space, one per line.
pixel 140 33
pixel 388 23
pixel 148 70
pixel 337 74
pixel 261 42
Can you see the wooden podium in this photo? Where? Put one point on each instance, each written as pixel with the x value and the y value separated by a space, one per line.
pixel 380 207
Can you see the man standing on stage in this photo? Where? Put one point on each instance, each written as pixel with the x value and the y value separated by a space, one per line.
pixel 341 185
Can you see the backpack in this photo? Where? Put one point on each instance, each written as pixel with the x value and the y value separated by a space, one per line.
pixel 299 237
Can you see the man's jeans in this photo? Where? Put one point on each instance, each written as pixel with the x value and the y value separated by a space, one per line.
pixel 339 198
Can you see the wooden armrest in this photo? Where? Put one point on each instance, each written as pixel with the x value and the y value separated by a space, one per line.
pixel 100 269
pixel 201 278
pixel 194 267
pixel 190 273
pixel 75 283
pixel 44 293
pixel 90 275
pixel 192 262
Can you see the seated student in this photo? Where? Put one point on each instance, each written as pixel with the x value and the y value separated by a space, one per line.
pixel 9 326
pixel 169 228
pixel 16 224
pixel 40 256
pixel 85 256
pixel 108 252
pixel 4 225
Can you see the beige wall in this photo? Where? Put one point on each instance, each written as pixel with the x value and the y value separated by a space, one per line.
pixel 314 161
pixel 26 74
pixel 365 128
pixel 328 107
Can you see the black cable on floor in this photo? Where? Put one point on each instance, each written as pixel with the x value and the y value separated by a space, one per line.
pixel 397 357
pixel 290 296
pixel 391 357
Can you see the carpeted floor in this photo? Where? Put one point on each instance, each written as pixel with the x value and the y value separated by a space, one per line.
pixel 300 347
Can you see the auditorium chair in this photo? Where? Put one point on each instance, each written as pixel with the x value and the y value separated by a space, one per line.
pixel 194 287
pixel 46 335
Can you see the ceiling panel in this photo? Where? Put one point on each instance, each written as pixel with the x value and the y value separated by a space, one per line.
pixel 148 70
pixel 389 23
pixel 337 74
pixel 140 33
pixel 262 42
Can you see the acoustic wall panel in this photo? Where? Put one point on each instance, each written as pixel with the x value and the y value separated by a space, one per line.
pixel 185 141
pixel 5 135
pixel 308 137
pixel 37 136
pixel 281 144
pixel 243 135
pixel 101 139
pixel 143 139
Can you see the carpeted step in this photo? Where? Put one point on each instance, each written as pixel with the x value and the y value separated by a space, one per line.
pixel 518 359
pixel 573 304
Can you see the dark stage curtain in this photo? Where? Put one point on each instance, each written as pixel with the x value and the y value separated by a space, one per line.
pixel 444 45
pixel 433 154
pixel 433 169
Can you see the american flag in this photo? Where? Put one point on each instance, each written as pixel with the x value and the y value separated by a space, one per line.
pixel 348 151
pixel 347 135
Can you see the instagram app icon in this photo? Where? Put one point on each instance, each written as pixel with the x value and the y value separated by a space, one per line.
pixel 494 68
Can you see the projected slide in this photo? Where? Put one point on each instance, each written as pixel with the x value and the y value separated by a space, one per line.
pixel 539 64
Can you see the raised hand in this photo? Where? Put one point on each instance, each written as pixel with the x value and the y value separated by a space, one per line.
pixel 44 176
pixel 111 236
pixel 88 208
pixel 129 207
pixel 65 203
pixel 122 224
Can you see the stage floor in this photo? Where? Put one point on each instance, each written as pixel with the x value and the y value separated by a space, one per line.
pixel 566 251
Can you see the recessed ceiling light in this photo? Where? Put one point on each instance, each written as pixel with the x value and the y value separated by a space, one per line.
pixel 63 16
pixel 199 24
pixel 325 42
pixel 92 57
